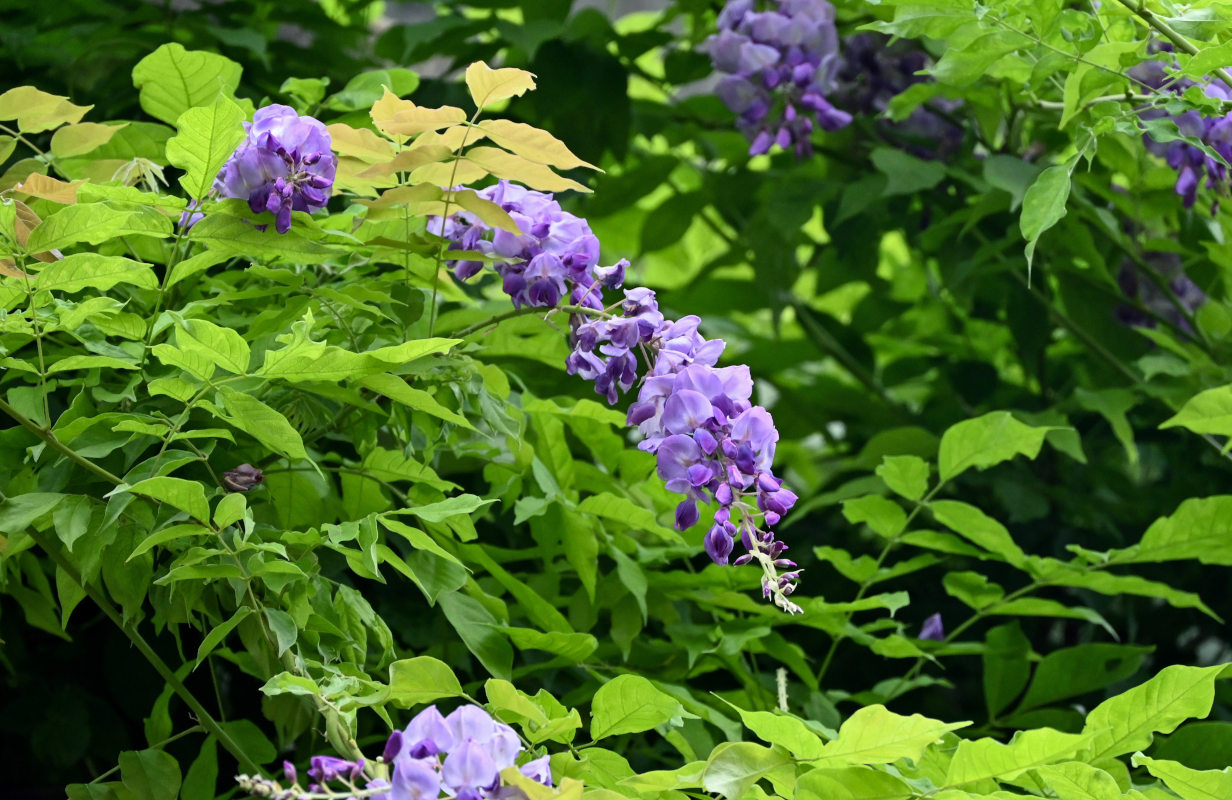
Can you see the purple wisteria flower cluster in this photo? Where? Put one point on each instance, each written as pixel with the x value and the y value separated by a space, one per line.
pixel 554 257
pixel 779 65
pixel 284 164
pixel 710 442
pixel 456 756
pixel 1193 164
pixel 873 70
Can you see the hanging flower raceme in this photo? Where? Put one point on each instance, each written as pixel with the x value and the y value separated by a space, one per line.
pixel 710 442
pixel 456 756
pixel 778 65
pixel 1192 164
pixel 284 164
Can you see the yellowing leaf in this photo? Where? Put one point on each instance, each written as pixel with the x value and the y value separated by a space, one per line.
pixel 403 195
pixel 489 85
pixel 347 177
pixel 359 143
pixel 409 119
pixel 516 168
pixel 407 161
pixel 38 185
pixel 24 224
pixel 37 111
pixel 532 143
pixel 452 173
pixel 452 138
pixel 76 140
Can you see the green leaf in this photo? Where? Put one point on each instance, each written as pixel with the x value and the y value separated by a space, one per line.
pixel 573 647
pixel 367 87
pixel 906 476
pixel 230 510
pixel 1075 671
pixel 986 441
pixel 290 683
pixel 169 534
pixel 238 237
pixel 172 80
pixel 851 783
pixel 623 510
pixel 1199 745
pixel 1006 668
pixel 422 679
pixel 201 780
pixel 1128 721
pixel 263 423
pixel 882 514
pixel 630 704
pixel 19 512
pixel 397 389
pixel 150 774
pixel 874 735
pixel 785 730
pixel 286 632
pixel 187 496
pixel 95 223
pixel 1075 780
pixel 223 346
pixel 1190 784
pixel 93 271
pixel 972 588
pixel 219 633
pixel 1206 412
pixel 207 137
pixel 1199 529
pixel 480 632
pixel 979 528
pixel 1044 205
pixel 906 174
pixel 981 759
pixel 734 767
pixel 450 507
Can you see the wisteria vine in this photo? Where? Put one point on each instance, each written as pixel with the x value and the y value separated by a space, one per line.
pixel 709 440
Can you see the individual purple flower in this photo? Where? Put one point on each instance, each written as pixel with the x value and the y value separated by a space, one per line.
pixel 539 770
pixel 778 67
pixel 933 630
pixel 469 771
pixel 284 164
pixel 329 768
pixel 414 779
pixel 427 734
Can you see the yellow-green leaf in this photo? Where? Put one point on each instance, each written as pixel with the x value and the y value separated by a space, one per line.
pixel 37 111
pixel 79 139
pixel 172 80
pixel 532 143
pixel 512 167
pixel 489 85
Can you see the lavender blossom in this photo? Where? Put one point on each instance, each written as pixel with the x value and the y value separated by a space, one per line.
pixel 710 442
pixel 1192 164
pixel 933 630
pixel 778 67
pixel 457 756
pixel 283 165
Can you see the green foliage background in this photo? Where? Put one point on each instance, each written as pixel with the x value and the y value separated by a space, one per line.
pixel 970 428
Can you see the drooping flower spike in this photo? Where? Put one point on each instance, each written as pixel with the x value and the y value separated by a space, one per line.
pixel 778 65
pixel 711 444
